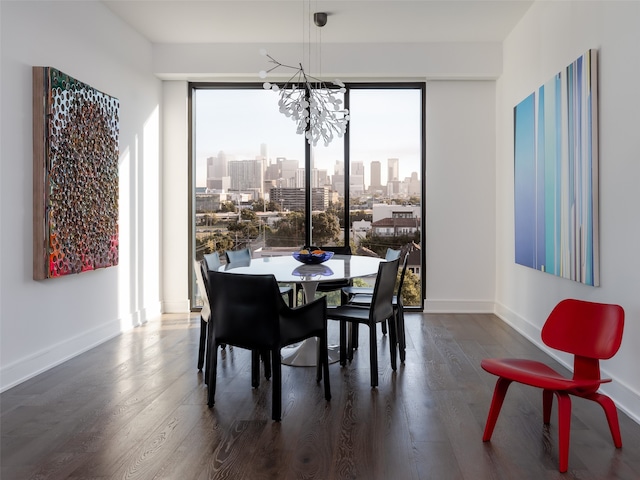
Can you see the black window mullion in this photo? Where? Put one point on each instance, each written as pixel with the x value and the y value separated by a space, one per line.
pixel 308 190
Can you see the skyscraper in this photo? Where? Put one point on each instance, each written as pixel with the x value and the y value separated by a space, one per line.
pixel 356 178
pixel 246 175
pixel 376 175
pixel 393 169
pixel 216 169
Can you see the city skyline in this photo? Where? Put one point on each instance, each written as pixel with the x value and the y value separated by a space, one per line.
pixel 246 124
pixel 290 171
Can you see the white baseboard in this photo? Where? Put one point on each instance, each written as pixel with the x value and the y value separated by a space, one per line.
pixel 176 307
pixel 45 359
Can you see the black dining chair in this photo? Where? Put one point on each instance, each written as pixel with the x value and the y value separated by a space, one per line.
pixel 211 262
pixel 234 256
pixel 199 268
pixel 327 287
pixel 351 290
pixel 380 310
pixel 365 299
pixel 247 311
pixel 391 254
pixel 243 256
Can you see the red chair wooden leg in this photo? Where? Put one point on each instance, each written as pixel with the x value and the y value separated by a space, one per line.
pixel 564 429
pixel 612 416
pixel 496 404
pixel 547 404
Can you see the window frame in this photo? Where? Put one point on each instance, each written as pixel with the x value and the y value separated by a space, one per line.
pixel 349 86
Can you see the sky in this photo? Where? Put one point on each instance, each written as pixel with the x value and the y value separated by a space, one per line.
pixel 384 124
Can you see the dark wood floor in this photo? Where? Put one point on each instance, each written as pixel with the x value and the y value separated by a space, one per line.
pixel 135 408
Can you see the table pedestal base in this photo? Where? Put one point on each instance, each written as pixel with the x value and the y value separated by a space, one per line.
pixel 305 354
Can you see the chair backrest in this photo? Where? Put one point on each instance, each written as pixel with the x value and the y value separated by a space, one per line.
pixel 245 309
pixel 381 302
pixel 198 267
pixel 346 250
pixel 401 281
pixel 392 254
pixel 234 256
pixel 586 329
pixel 212 260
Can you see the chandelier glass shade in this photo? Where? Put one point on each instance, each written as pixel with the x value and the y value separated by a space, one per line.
pixel 311 103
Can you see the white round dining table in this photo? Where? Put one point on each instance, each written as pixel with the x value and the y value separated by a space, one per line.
pixel 287 269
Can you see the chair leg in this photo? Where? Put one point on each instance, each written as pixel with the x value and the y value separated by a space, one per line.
pixel 373 355
pixel 203 342
pixel 212 367
pixel 496 404
pixel 255 368
pixel 564 428
pixel 384 328
pixel 207 354
pixel 266 361
pixel 402 342
pixel 354 337
pixel 393 343
pixel 547 404
pixel 276 397
pixel 319 360
pixel 323 360
pixel 343 343
pixel 350 329
pixel 612 415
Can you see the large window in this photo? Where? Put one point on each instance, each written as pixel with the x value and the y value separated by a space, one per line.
pixel 257 184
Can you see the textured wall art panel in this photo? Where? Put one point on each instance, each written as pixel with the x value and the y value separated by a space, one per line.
pixel 75 176
pixel 556 174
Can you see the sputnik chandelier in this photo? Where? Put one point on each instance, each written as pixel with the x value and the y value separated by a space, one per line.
pixel 309 101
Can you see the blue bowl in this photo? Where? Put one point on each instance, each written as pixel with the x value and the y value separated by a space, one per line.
pixel 312 258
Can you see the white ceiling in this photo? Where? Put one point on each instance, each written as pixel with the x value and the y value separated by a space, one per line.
pixel 349 21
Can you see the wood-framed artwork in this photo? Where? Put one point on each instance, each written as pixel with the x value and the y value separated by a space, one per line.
pixel 75 176
pixel 556 174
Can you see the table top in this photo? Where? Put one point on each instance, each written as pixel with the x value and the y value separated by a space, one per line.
pixel 287 269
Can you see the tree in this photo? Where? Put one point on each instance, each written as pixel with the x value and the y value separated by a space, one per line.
pixel 326 228
pixel 411 289
pixel 289 231
pixel 210 219
pixel 379 244
pixel 270 206
pixel 245 230
pixel 227 207
pixel 249 215
pixel 216 242
pixel 337 209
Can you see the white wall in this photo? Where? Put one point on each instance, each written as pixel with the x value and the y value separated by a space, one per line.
pixel 549 37
pixel 460 224
pixel 43 323
pixel 460 137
